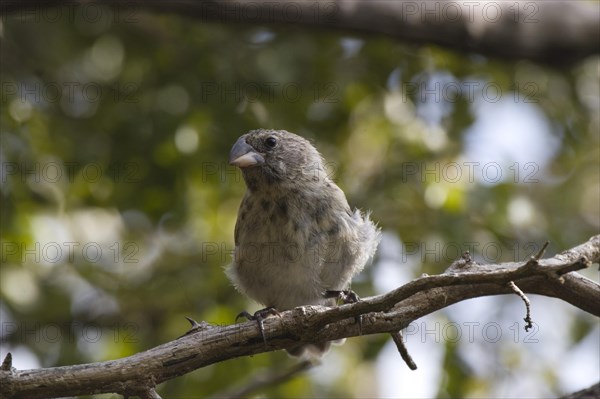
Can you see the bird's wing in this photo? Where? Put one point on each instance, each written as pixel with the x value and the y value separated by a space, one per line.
pixel 238 222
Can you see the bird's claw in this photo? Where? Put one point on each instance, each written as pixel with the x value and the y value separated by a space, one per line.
pixel 259 316
pixel 346 296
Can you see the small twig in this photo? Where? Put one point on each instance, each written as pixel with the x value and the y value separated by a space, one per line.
pixel 517 290
pixel 582 263
pixel 195 326
pixel 542 251
pixel 7 363
pixel 534 260
pixel 266 380
pixel 399 341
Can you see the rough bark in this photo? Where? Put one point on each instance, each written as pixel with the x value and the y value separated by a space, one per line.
pixel 550 32
pixel 388 313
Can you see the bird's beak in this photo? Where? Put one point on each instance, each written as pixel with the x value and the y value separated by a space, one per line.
pixel 243 155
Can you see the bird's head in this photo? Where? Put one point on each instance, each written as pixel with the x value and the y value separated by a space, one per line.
pixel 276 157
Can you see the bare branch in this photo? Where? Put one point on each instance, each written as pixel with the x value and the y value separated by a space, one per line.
pixel 592 392
pixel 387 313
pixel 399 341
pixel 551 32
pixel 517 290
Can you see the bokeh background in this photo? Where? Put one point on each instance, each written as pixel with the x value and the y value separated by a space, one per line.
pixel 118 205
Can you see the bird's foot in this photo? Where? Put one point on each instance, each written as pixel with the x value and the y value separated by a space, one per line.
pixel 346 296
pixel 259 316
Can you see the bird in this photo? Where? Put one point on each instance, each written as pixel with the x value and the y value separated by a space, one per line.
pixel 297 241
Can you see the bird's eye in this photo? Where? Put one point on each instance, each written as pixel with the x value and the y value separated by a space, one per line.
pixel 271 142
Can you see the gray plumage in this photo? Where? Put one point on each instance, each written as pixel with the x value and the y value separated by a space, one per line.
pixel 296 236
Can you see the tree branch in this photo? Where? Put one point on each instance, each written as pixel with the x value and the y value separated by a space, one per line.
pixel 592 392
pixel 388 313
pixel 550 32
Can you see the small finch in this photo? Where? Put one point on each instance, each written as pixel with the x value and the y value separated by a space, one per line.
pixel 297 242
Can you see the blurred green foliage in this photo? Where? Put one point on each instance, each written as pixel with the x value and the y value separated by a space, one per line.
pixel 115 136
